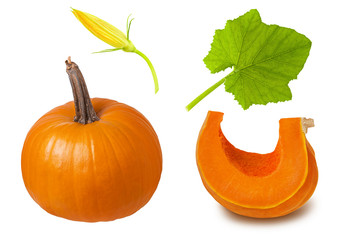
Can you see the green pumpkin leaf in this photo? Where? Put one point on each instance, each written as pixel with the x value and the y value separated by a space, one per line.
pixel 264 59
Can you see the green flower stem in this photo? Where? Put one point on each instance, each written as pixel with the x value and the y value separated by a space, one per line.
pixel 204 94
pixel 151 68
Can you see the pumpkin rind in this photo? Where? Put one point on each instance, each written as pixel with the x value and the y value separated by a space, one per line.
pixel 283 187
pixel 101 171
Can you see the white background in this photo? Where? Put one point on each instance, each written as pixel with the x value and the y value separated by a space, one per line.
pixel 37 37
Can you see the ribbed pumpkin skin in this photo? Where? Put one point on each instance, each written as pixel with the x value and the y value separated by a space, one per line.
pixel 100 171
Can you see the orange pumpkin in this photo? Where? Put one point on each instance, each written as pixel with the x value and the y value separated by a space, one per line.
pixel 103 164
pixel 258 185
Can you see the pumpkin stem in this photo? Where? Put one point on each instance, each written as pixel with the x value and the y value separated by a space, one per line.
pixel 84 110
pixel 307 123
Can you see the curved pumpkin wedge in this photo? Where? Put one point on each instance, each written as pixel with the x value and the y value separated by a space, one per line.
pixel 258 185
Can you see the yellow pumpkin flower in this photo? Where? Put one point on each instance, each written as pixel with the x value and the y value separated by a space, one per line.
pixel 112 36
pixel 103 30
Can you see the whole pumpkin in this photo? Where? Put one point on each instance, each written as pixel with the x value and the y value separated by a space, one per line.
pixel 103 164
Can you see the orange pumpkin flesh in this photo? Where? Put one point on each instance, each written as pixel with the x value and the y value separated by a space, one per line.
pixel 252 184
pixel 101 171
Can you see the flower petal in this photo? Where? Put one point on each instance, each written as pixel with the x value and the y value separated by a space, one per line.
pixel 102 29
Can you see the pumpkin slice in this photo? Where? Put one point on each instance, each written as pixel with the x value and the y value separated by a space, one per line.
pixel 258 185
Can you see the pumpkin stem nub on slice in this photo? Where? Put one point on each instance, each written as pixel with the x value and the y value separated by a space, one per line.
pixel 307 123
pixel 84 110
